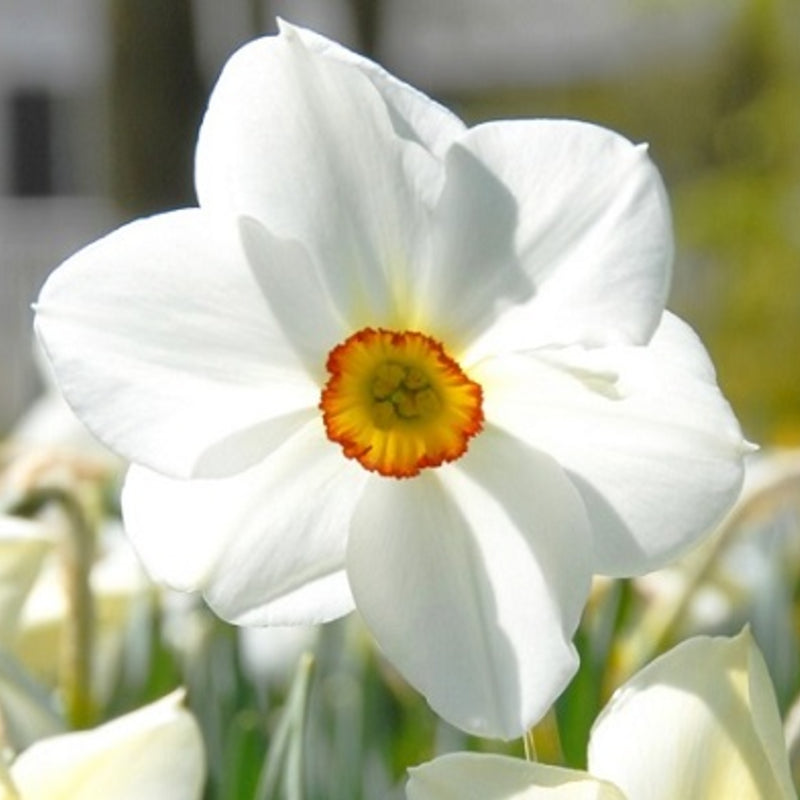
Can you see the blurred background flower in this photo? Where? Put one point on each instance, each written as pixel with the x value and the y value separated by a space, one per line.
pixel 745 573
pixel 156 751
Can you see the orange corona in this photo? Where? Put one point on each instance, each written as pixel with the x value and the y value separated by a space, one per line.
pixel 397 403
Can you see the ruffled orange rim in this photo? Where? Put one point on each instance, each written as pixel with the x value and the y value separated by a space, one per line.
pixel 397 403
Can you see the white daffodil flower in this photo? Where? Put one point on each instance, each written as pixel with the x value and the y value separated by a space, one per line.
pixel 156 751
pixel 700 722
pixel 405 365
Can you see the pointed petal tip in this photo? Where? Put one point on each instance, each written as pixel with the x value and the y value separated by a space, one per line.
pixel 287 30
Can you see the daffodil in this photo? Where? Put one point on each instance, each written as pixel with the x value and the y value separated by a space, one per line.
pixel 704 717
pixel 699 722
pixel 155 751
pixel 397 363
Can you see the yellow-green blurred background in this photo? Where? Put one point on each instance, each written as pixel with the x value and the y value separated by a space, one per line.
pixel 99 104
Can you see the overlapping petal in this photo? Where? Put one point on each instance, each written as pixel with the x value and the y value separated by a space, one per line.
pixel 165 347
pixel 562 226
pixel 474 776
pixel 266 546
pixel 306 145
pixel 699 722
pixel 703 717
pixel 296 295
pixel 644 433
pixel 414 115
pixel 156 751
pixel 472 580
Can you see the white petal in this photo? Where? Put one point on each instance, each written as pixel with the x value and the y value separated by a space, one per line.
pixel 478 776
pixel 476 274
pixel 306 144
pixel 414 115
pixel 178 527
pixel 156 751
pixel 472 579
pixel 590 255
pixel 48 421
pixel 703 719
pixel 265 546
pixel 165 347
pixel 644 433
pixel 269 657
pixel 296 296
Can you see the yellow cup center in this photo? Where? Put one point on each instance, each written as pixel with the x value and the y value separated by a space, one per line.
pixel 397 403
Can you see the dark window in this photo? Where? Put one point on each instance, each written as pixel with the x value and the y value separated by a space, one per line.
pixel 31 143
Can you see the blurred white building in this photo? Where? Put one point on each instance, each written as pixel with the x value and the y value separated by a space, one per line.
pixel 52 141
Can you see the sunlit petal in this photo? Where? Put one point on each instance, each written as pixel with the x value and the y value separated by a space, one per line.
pixel 573 234
pixel 413 115
pixel 165 347
pixel 473 776
pixel 307 145
pixel 233 538
pixel 703 719
pixel 156 751
pixel 636 428
pixel 473 579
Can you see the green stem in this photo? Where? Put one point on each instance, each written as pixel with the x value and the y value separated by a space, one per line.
pixel 77 554
pixel 282 775
pixel 529 743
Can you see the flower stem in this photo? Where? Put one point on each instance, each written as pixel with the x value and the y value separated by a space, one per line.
pixel 77 554
pixel 529 743
pixel 657 631
pixel 282 774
